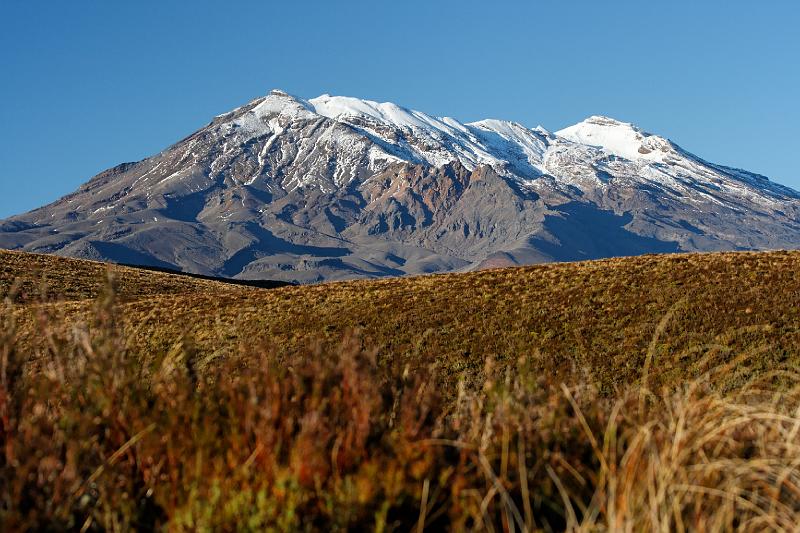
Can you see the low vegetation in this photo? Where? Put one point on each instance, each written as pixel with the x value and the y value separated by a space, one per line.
pixel 637 394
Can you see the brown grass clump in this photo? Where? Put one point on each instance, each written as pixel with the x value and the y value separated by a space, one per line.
pixel 95 437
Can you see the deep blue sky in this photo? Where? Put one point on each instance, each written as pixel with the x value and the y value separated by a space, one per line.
pixel 86 85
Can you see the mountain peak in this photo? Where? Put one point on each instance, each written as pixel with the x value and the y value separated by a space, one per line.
pixel 278 102
pixel 603 120
pixel 618 138
pixel 337 187
pixel 385 112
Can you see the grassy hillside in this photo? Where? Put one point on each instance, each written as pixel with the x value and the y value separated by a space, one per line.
pixel 598 316
pixel 657 392
pixel 36 278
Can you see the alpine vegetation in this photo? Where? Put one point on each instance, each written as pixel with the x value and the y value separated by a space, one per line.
pixel 467 402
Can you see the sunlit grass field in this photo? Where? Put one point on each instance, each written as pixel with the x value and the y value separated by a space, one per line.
pixel 657 392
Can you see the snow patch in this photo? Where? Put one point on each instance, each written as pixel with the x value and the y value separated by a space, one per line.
pixel 617 138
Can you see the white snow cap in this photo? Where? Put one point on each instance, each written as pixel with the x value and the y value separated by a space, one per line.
pixel 603 145
pixel 283 103
pixel 617 138
pixel 387 112
pixel 612 136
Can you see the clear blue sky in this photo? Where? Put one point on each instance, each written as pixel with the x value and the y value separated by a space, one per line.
pixel 86 85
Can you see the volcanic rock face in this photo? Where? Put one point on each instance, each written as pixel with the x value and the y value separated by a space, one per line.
pixel 336 187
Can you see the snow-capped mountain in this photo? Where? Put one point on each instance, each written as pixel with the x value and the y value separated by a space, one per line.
pixel 337 187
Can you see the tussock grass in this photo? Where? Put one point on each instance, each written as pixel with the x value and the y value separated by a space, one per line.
pixel 599 316
pixel 342 431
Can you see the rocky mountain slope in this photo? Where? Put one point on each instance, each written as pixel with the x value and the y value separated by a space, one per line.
pixel 338 187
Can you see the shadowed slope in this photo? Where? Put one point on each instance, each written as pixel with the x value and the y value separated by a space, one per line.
pixel 30 276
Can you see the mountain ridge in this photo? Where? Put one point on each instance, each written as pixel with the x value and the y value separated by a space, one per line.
pixel 338 187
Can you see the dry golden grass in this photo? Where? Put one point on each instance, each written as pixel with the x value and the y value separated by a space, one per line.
pixel 651 393
pixel 36 277
pixel 598 315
